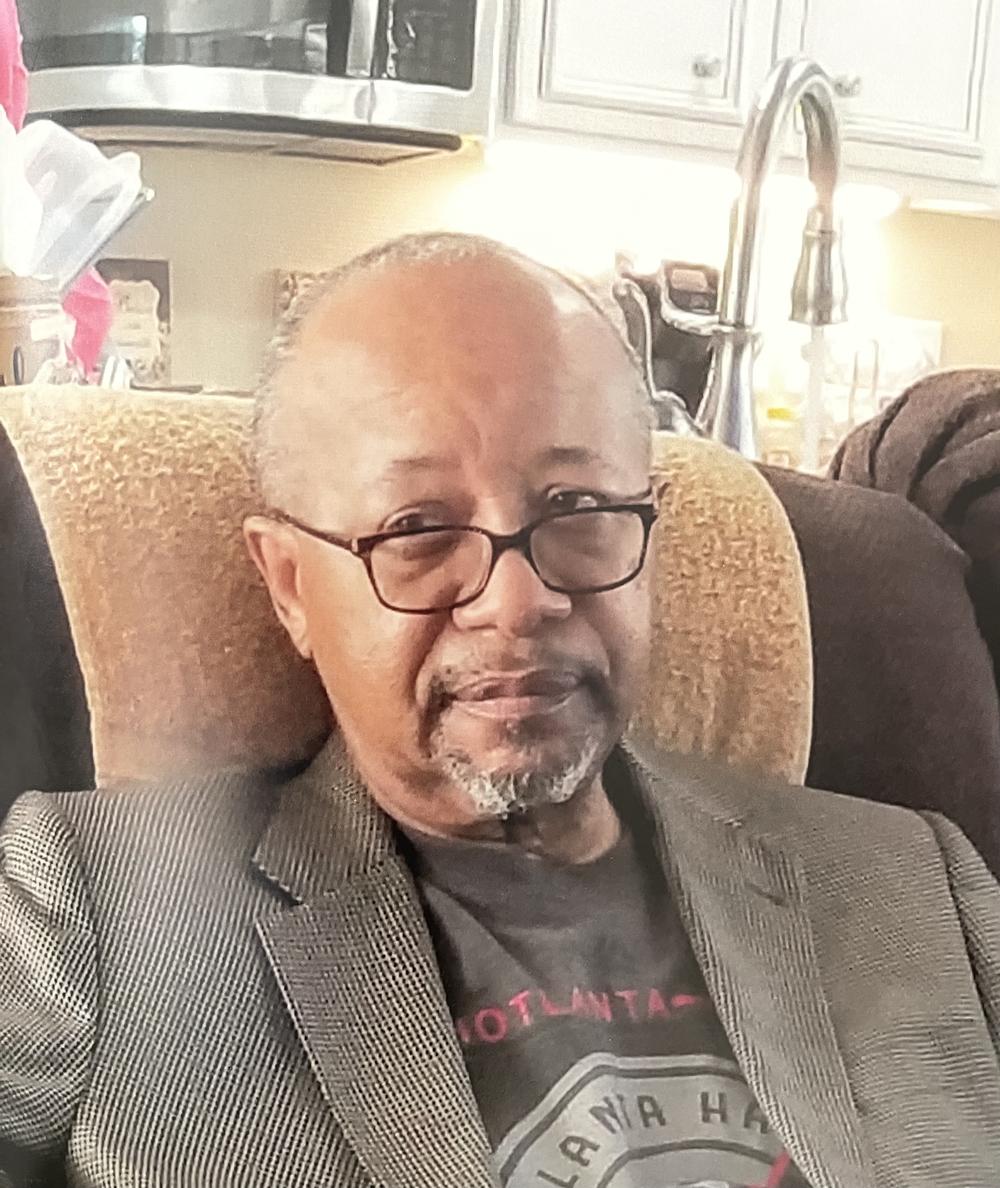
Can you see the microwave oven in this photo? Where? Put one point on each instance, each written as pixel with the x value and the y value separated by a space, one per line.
pixel 392 75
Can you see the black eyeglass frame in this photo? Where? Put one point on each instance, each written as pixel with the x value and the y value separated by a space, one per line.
pixel 362 547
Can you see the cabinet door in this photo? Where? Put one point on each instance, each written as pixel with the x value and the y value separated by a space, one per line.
pixel 645 55
pixel 661 70
pixel 914 78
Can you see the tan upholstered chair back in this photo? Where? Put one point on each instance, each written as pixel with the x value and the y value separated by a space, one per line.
pixel 186 668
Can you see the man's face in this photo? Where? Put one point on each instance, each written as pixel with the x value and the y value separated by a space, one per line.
pixel 470 393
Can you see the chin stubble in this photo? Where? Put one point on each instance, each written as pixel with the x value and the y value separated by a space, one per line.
pixel 500 794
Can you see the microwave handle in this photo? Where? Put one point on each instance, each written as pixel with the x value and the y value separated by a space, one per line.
pixel 361 41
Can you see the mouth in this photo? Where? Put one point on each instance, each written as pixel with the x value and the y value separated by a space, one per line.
pixel 525 694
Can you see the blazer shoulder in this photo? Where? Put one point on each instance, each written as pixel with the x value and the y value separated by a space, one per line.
pixel 774 808
pixel 170 825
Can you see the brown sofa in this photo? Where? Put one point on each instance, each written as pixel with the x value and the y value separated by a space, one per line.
pixel 44 721
pixel 938 445
pixel 906 708
pixel 185 666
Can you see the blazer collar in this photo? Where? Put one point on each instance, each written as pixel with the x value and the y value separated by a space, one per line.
pixel 743 897
pixel 357 969
pixel 326 828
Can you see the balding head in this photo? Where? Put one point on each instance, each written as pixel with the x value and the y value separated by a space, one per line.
pixel 379 317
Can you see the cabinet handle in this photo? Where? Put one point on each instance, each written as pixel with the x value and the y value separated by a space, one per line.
pixel 705 66
pixel 847 86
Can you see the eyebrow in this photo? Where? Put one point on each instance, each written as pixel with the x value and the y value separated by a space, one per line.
pixel 573 456
pixel 417 462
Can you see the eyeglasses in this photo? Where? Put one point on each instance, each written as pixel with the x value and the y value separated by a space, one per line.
pixel 421 571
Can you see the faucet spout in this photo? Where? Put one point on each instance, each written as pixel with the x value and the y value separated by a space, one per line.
pixel 727 408
pixel 793 82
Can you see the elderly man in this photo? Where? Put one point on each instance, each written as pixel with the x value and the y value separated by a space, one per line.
pixel 478 941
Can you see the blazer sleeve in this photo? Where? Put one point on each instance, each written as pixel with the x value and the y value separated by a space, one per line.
pixel 977 897
pixel 48 990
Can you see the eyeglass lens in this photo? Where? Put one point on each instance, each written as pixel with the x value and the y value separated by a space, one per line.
pixel 573 554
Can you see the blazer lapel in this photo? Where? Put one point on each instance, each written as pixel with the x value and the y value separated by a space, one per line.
pixel 356 967
pixel 743 901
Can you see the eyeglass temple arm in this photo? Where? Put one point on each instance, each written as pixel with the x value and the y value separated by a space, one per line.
pixel 356 546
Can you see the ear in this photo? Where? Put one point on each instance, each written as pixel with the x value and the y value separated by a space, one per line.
pixel 274 549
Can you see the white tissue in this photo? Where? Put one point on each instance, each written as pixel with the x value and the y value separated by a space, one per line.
pixel 20 209
pixel 85 197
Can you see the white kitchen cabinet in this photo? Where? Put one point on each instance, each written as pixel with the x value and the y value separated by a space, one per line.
pixel 667 71
pixel 917 80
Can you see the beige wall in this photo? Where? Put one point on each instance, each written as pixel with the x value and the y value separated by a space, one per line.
pixel 227 221
pixel 947 267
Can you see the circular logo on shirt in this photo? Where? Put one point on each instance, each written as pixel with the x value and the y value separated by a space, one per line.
pixel 644 1122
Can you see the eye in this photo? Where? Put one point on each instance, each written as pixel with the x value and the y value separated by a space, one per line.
pixel 575 500
pixel 418 518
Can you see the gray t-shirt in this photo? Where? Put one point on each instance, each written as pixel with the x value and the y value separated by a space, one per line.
pixel 594 1051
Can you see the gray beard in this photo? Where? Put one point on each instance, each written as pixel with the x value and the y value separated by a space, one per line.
pixel 499 794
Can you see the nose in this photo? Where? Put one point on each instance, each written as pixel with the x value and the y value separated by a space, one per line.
pixel 515 601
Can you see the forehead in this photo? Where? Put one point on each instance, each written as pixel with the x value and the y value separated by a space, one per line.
pixel 482 361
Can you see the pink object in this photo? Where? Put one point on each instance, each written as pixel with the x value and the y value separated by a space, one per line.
pixel 90 304
pixel 90 300
pixel 13 76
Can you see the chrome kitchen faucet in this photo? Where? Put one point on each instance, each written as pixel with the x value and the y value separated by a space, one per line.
pixel 819 291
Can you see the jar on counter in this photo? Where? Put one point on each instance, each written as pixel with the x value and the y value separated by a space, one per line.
pixel 32 325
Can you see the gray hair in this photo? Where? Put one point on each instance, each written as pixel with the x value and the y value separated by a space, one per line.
pixel 439 246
